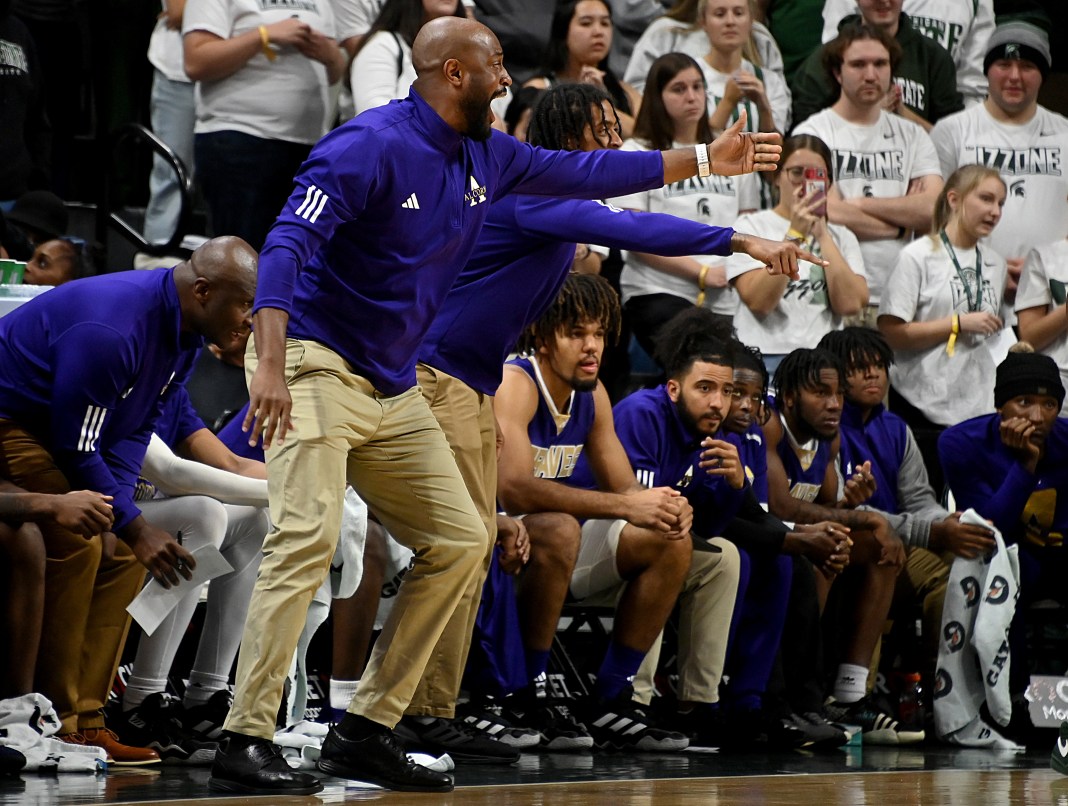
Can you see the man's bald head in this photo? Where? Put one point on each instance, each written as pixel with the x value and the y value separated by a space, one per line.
pixel 216 287
pixel 461 70
pixel 449 38
pixel 225 260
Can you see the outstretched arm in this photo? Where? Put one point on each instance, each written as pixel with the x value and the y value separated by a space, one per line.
pixel 732 153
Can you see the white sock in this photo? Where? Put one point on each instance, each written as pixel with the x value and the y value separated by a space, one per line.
pixel 201 686
pixel 139 689
pixel 342 692
pixel 851 683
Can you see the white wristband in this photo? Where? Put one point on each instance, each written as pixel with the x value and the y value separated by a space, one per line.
pixel 704 167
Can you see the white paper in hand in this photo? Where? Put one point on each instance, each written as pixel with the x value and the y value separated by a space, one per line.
pixel 154 601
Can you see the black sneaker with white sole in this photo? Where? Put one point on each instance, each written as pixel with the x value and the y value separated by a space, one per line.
pixel 463 743
pixel 622 724
pixel 876 727
pixel 557 726
pixel 157 724
pixel 205 722
pixel 820 733
pixel 490 717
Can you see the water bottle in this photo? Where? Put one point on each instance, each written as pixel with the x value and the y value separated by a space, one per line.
pixel 910 702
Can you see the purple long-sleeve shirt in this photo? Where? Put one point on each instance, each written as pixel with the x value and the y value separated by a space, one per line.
pixel 386 212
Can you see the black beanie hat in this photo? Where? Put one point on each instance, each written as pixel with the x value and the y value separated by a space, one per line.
pixel 1019 40
pixel 1027 374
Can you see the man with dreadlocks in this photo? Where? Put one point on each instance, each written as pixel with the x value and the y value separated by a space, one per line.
pixel 623 538
pixel 797 701
pixel 882 444
pixel 802 448
pixel 525 251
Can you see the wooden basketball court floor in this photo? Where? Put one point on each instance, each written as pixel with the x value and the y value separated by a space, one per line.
pixel 849 777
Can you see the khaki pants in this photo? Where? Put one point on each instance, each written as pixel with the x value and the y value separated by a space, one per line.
pixel 394 454
pixel 466 418
pixel 706 605
pixel 85 619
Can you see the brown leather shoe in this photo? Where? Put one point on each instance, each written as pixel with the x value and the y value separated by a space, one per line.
pixel 118 753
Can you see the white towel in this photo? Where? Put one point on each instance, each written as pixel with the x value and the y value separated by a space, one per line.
pixel 973 650
pixel 29 722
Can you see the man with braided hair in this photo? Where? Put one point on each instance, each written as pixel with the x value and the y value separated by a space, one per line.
pixel 878 441
pixel 524 252
pixel 802 443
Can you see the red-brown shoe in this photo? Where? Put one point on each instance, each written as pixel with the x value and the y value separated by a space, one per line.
pixel 118 753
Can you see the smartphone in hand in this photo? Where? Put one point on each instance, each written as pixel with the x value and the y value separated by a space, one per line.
pixel 816 186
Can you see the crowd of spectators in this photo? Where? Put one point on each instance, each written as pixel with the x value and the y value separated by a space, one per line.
pixel 845 345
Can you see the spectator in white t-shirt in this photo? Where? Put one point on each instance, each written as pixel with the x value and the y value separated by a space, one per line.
pixel 1041 307
pixel 778 314
pixel 939 312
pixel 679 31
pixel 734 82
pixel 675 113
pixel 887 175
pixel 262 101
pixel 1024 141
pixel 173 112
pixel 382 67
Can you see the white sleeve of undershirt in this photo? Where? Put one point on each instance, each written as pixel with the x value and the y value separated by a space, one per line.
pixel 174 476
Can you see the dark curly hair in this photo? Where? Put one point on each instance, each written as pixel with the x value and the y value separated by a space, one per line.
pixel 695 334
pixel 583 298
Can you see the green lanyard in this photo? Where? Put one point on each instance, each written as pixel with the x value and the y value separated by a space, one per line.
pixel 972 305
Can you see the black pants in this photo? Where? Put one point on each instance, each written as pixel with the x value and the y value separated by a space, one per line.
pixel 796 682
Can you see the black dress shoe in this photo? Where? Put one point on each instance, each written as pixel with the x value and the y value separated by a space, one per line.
pixel 378 759
pixel 258 768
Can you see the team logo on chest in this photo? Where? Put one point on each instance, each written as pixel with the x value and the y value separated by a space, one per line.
pixel 477 194
pixel 687 477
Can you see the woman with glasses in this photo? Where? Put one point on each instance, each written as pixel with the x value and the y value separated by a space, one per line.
pixel 781 315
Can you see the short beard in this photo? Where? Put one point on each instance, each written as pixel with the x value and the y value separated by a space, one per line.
pixel 583 386
pixel 476 118
pixel 688 420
